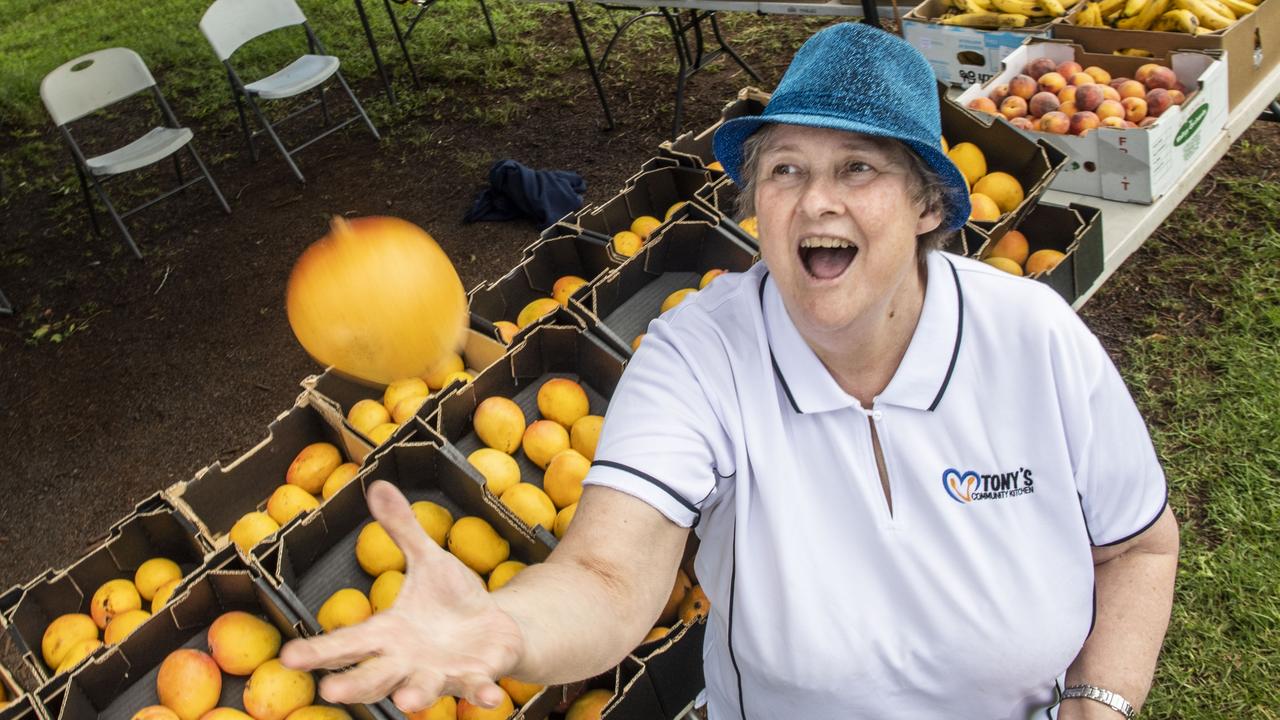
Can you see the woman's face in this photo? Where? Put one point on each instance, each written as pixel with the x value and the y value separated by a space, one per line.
pixel 837 225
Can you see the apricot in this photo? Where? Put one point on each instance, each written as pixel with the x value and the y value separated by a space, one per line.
pixel 76 653
pixel 1110 108
pixel 163 594
pixel 239 642
pixel 274 691
pixel 319 712
pixel 710 275
pixel 446 708
pixel 562 400
pixel 1158 101
pixel 189 683
pixel 338 479
pixel 679 590
pixel 1023 86
pixel 251 529
pixel 499 423
pixel 499 469
pixel 563 518
pixel 478 545
pixel 376 552
pixel 367 414
pixel 1013 106
pixel 1069 69
pixel 506 331
pixel 676 298
pixel 64 632
pixel 1161 77
pixel 1040 67
pixel 385 590
pixel 401 389
pixel 695 606
pixel 1003 188
pixel 1013 245
pixel 1052 82
pixel 520 692
pixel 1082 122
pixel 1005 264
pixel 312 465
pixel 585 435
pixel 530 504
pixel 223 713
pixel 154 573
pixel 437 377
pixel 657 633
pixel 1135 109
pixel 122 625
pixel 467 711
pixel 344 608
pixel 502 574
pixel 536 309
pixel 1043 102
pixel 564 476
pixel 626 243
pixel 589 705
pixel 1058 123
pixel 1132 88
pixel 290 501
pixel 564 287
pixel 111 599
pixel 543 440
pixel 1100 76
pixel 1043 261
pixel 984 104
pixel 983 208
pixel 159 712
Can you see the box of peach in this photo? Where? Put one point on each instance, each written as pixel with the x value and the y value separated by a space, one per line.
pixel 1130 126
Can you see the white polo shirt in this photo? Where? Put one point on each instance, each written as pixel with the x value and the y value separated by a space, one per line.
pixel 1011 446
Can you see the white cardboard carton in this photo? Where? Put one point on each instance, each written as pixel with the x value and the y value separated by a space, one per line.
pixel 1130 165
pixel 962 56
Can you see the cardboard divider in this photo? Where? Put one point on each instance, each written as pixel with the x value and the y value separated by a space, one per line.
pixel 479 352
pixel 316 557
pixel 624 301
pixel 1032 161
pixel 1075 230
pixel 695 149
pixel 674 666
pixel 21 705
pixel 633 695
pixel 964 55
pixel 218 496
pixel 154 529
pixel 1129 165
pixel 122 681
pixel 1251 44
pixel 550 351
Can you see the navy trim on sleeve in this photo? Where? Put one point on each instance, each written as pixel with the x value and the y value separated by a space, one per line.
pixel 655 481
pixel 1144 528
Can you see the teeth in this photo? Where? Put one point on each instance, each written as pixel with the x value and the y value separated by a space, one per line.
pixel 825 242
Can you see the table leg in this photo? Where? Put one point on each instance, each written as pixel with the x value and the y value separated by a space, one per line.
pixel 870 13
pixel 591 63
pixel 373 48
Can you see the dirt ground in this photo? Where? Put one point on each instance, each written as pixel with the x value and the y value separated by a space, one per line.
pixel 187 356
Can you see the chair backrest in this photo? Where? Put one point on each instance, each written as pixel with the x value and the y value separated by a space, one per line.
pixel 92 82
pixel 228 24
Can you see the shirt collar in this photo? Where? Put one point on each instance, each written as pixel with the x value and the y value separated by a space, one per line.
pixel 921 379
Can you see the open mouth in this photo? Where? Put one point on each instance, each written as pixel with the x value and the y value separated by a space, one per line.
pixel 826 258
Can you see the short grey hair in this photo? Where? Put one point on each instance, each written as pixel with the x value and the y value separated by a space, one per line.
pixel 927 186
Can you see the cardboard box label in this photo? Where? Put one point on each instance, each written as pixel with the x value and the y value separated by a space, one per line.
pixel 962 55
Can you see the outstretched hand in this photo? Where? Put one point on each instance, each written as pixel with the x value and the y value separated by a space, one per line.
pixel 444 636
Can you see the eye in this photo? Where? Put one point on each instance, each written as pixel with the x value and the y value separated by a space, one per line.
pixel 857 167
pixel 782 169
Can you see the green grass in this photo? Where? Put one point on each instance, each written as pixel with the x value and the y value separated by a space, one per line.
pixel 1206 378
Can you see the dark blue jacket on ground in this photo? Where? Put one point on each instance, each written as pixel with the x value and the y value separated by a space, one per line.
pixel 516 191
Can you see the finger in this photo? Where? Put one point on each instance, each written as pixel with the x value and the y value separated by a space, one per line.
pixel 337 649
pixel 481 690
pixel 419 693
pixel 391 508
pixel 369 682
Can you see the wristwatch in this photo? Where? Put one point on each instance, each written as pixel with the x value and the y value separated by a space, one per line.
pixel 1102 695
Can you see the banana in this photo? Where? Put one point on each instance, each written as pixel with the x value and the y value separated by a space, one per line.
pixel 1133 52
pixel 983 5
pixel 1132 8
pixel 1220 8
pixel 1177 21
pixel 967 7
pixel 1150 13
pixel 985 20
pixel 1240 7
pixel 1030 8
pixel 1055 7
pixel 1089 16
pixel 1208 18
pixel 1107 8
pixel 1203 31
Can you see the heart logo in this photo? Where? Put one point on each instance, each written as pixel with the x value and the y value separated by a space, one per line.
pixel 960 486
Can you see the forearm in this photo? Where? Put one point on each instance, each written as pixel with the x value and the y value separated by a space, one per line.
pixel 1134 599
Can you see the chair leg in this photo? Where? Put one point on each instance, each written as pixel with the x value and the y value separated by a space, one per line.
pixel 88 200
pixel 400 38
pixel 177 168
pixel 266 124
pixel 244 125
pixel 324 107
pixel 102 195
pixel 216 190
pixel 359 107
pixel 493 34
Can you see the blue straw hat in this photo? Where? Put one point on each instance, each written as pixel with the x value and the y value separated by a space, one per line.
pixel 861 79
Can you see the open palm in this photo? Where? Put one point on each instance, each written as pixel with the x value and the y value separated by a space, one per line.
pixel 444 636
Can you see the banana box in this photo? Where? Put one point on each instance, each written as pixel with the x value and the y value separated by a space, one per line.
pixel 1251 43
pixel 965 43
pixel 1129 165
pixel 155 529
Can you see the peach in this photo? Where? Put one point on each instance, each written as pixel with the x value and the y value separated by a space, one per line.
pixel 1082 78
pixel 1158 101
pixel 1023 123
pixel 1110 108
pixel 1084 121
pixel 1144 72
pixel 1024 86
pixel 1110 93
pixel 1135 109
pixel 189 683
pixel 1089 97
pixel 1068 109
pixel 1043 102
pixel 1116 82
pixel 1177 96
pixel 1132 88
pixel 1067 94
pixel 1069 68
pixel 1113 121
pixel 1147 121
pixel 1161 77
pixel 984 104
pixel 1052 82
pixel 1130 125
pixel 1039 67
pixel 999 93
pixel 1055 122
pixel 1013 106
pixel 1100 76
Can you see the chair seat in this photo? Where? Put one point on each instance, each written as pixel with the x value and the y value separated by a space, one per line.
pixel 156 145
pixel 300 76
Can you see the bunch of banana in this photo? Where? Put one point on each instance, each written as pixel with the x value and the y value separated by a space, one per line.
pixel 1194 17
pixel 1005 13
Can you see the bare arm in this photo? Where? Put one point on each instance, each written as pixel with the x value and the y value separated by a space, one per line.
pixel 569 618
pixel 1134 585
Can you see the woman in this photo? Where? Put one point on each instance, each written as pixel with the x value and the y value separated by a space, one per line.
pixel 911 474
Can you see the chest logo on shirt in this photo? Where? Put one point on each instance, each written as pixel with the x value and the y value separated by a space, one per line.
pixel 968 486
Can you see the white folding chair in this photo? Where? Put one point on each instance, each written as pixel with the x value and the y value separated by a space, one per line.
pixel 229 24
pixel 94 81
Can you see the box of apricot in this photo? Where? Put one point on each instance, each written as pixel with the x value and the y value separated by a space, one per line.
pixel 1130 126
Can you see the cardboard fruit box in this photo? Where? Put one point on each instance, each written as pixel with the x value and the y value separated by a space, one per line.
pixel 1136 165
pixel 479 352
pixel 549 352
pixel 622 303
pixel 1075 230
pixel 218 496
pixel 695 149
pixel 1251 44
pixel 16 703
pixel 316 558
pixel 122 681
pixel 632 696
pixel 674 666
pixel 963 56
pixel 1034 162
pixel 722 199
pixel 154 529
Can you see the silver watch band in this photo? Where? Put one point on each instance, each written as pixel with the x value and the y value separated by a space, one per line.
pixel 1106 697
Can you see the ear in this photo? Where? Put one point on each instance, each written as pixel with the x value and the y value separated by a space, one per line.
pixel 930 219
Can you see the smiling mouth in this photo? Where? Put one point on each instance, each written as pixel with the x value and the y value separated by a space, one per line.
pixel 826 258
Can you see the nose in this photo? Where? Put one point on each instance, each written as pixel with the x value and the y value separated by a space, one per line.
pixel 821 196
